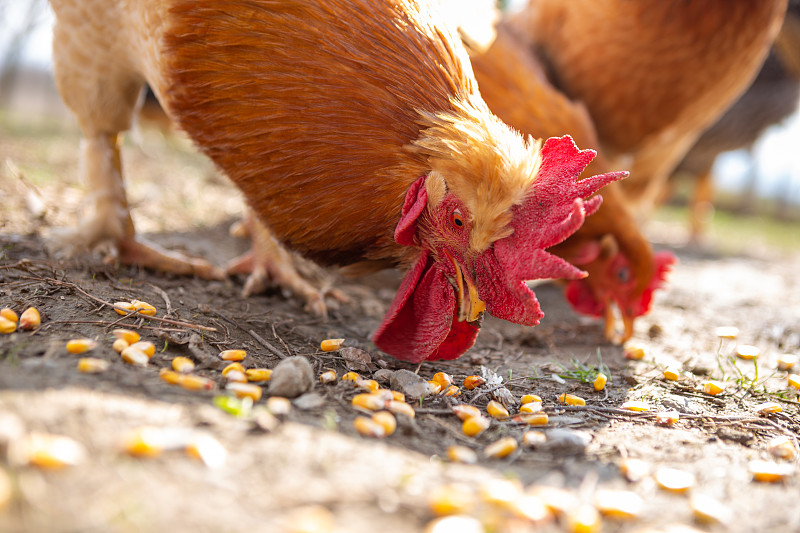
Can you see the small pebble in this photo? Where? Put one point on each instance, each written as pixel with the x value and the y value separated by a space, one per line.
pixel 292 377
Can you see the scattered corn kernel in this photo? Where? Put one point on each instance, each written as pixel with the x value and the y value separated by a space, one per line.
pixel 452 391
pixel 672 374
pixel 531 407
pixel 583 519
pixel 667 418
pixel 451 499
pixel 501 448
pixel 92 365
pixel 232 355
pixel 279 406
pixel 238 367
pixel 398 396
pixel 351 376
pixel 369 385
pixel 708 510
pixel 619 504
pixel 533 438
pixel 535 419
pixel 434 387
pixel 170 376
pixel 600 381
pixel 80 345
pixel 235 376
pixel 124 308
pixel 258 374
pixel 386 420
pixel 794 381
pixel 674 480
pixel 557 501
pixel 30 319
pixel 143 307
pixel 500 493
pixel 455 523
pixel 635 405
pixel 530 398
pixel 767 408
pixel 245 390
pixel 384 394
pixel 7 326
pixel 634 469
pixel 329 376
pixel 147 347
pixel 144 442
pixel 208 450
pixel 471 382
pixel 181 364
pixel 786 361
pixel 369 402
pixel 496 410
pixel 119 345
pixel 192 382
pixel 634 352
pixel 712 387
pixel 46 451
pixel 368 427
pixel 464 411
pixel 746 351
pixel 400 408
pixel 475 425
pixel 571 399
pixel 9 314
pixel 782 447
pixel 769 472
pixel 331 345
pixel 727 332
pixel 443 378
pixel 462 454
pixel 127 335
pixel 134 356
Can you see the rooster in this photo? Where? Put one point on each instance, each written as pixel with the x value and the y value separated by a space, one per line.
pixel 356 132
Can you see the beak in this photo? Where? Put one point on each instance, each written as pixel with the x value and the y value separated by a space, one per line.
pixel 470 307
pixel 611 325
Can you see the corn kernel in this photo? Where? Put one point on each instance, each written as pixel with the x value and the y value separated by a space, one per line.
pixel 635 405
pixel 80 345
pixel 144 442
pixel 400 408
pixel 239 367
pixel 46 451
pixel 533 438
pixel 124 308
pixel 443 378
pixel 7 326
pixel 461 454
pixel 386 420
pixel 450 500
pixel 452 391
pixel 727 332
pixel 147 347
pixel 9 314
pixel 464 411
pixel 667 418
pixel 368 401
pixel 398 396
pixel 786 361
pixel 583 519
pixel 279 406
pixel 245 390
pixel 92 365
pixel 501 448
pixel 329 376
pixel 192 382
pixel 170 376
pixel 351 376
pixel 769 472
pixel 496 410
pixel 501 493
pixel 368 428
pixel 712 387
pixel 530 398
pixel 794 381
pixel 181 364
pixel 600 381
pixel 119 345
pixel 331 345
pixel 672 374
pixel 471 382
pixel 782 447
pixel 530 408
pixel 475 425
pixel 634 352
pixel 208 450
pixel 707 510
pixel 634 469
pixel 30 319
pixel 232 355
pixel 235 376
pixel 619 504
pixel 143 307
pixel 384 394
pixel 535 419
pixel 127 335
pixel 134 356
pixel 258 374
pixel 767 408
pixel 369 385
pixel 434 387
pixel 674 480
pixel 571 399
pixel 746 351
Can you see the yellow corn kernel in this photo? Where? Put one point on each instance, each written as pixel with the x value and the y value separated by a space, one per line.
pixel 119 345
pixel 475 425
pixel 496 410
pixel 192 382
pixel 208 450
pixel 471 382
pixel 232 355
pixel 182 364
pixel 452 391
pixel 239 367
pixel 434 387
pixel 583 519
pixel 30 319
pixel 634 469
pixel 127 335
pixel 461 454
pixel 501 448
pixel 674 480
pixel 727 332
pixel 533 438
pixel 351 376
pixel 368 428
pixel 386 420
pixel 170 376
pixel 535 419
pixel 769 472
pixel 443 378
pixel 767 408
pixel 258 374
pixel 530 398
pixel 279 406
pixel 600 381
pixel 92 365
pixel 667 418
pixel 144 442
pixel 329 376
pixel 794 381
pixel 143 307
pixel 500 493
pixel 708 510
pixel 369 402
pixel 7 326
pixel 147 347
pixel 331 345
pixel 619 504
pixel 124 308
pixel 464 411
pixel 634 352
pixel 383 394
pixel 234 376
pixel 46 451
pixel 80 345
pixel 571 399
pixel 9 314
pixel 786 361
pixel 782 447
pixel 746 351
pixel 134 356
pixel 400 408
pixel 398 396
pixel 369 385
pixel 712 387
pixel 635 405
pixel 530 408
pixel 672 374
pixel 245 390
pixel 451 500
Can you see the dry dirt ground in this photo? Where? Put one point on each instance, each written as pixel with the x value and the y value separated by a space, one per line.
pixel 312 469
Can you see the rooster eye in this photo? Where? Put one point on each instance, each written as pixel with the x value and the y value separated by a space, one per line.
pixel 456 218
pixel 623 275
